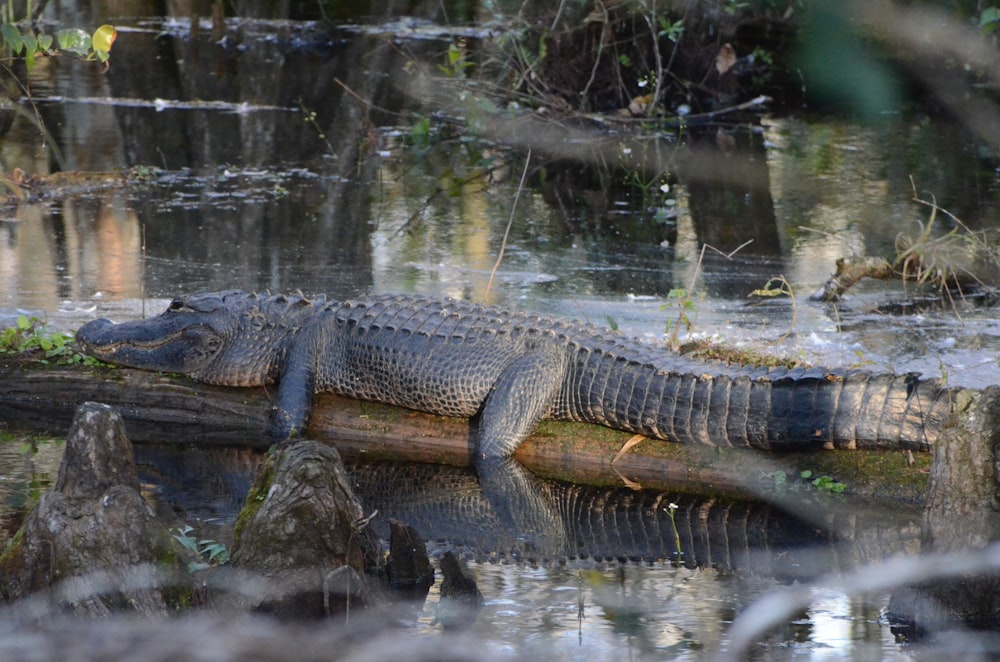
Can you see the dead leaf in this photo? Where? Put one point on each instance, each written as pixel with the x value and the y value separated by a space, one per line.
pixel 627 482
pixel 725 59
pixel 596 16
pixel 633 440
pixel 637 107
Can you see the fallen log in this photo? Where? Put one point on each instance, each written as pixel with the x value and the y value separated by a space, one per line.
pixel 164 408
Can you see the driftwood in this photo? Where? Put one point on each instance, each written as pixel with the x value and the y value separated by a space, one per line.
pixel 92 539
pixel 849 272
pixel 944 282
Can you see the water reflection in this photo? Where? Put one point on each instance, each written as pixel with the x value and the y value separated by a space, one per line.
pixel 733 553
pixel 339 202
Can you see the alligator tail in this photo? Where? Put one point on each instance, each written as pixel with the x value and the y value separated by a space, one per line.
pixel 774 409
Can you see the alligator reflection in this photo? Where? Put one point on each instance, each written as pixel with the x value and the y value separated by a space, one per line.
pixel 448 507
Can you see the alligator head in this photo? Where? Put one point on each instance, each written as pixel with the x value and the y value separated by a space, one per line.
pixel 231 338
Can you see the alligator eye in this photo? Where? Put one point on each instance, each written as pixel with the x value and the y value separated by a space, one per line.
pixel 177 304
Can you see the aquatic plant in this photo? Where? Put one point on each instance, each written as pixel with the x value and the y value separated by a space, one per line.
pixel 211 551
pixel 29 337
pixel 777 482
pixel 32 44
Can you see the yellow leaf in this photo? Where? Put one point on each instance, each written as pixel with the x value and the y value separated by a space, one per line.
pixel 103 38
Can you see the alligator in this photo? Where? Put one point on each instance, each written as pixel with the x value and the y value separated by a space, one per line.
pixel 508 370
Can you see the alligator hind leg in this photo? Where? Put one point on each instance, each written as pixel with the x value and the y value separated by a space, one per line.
pixel 520 398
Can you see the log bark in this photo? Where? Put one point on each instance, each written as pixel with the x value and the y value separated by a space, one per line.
pixel 961 514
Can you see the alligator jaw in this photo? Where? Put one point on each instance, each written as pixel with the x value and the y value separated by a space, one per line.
pixel 94 338
pixel 150 344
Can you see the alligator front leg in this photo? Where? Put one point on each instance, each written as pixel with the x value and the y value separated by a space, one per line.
pixel 296 389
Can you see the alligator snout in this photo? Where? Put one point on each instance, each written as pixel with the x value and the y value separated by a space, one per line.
pixel 94 332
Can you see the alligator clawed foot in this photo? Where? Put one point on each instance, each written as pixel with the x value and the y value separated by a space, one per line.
pixel 280 427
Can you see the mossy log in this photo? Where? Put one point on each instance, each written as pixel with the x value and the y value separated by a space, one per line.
pixel 165 408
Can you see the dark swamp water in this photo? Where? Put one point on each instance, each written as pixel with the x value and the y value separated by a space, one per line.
pixel 284 157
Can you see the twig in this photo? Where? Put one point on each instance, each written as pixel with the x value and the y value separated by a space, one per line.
pixel 600 51
pixel 701 259
pixel 756 101
pixel 366 102
pixel 559 11
pixel 651 21
pixel 47 140
pixel 510 222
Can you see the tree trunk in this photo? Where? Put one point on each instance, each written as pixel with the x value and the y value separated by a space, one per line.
pixel 961 514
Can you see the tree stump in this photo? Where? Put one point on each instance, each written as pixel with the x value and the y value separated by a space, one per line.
pixel 92 539
pixel 961 513
pixel 461 599
pixel 302 534
pixel 409 570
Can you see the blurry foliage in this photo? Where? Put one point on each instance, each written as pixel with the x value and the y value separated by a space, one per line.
pixel 31 44
pixel 841 68
pixel 989 19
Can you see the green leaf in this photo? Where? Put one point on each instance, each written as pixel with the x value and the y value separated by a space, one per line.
pixel 73 40
pixel 44 42
pixel 30 49
pixel 12 38
pixel 454 55
pixel 23 323
pixel 420 132
pixel 989 15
